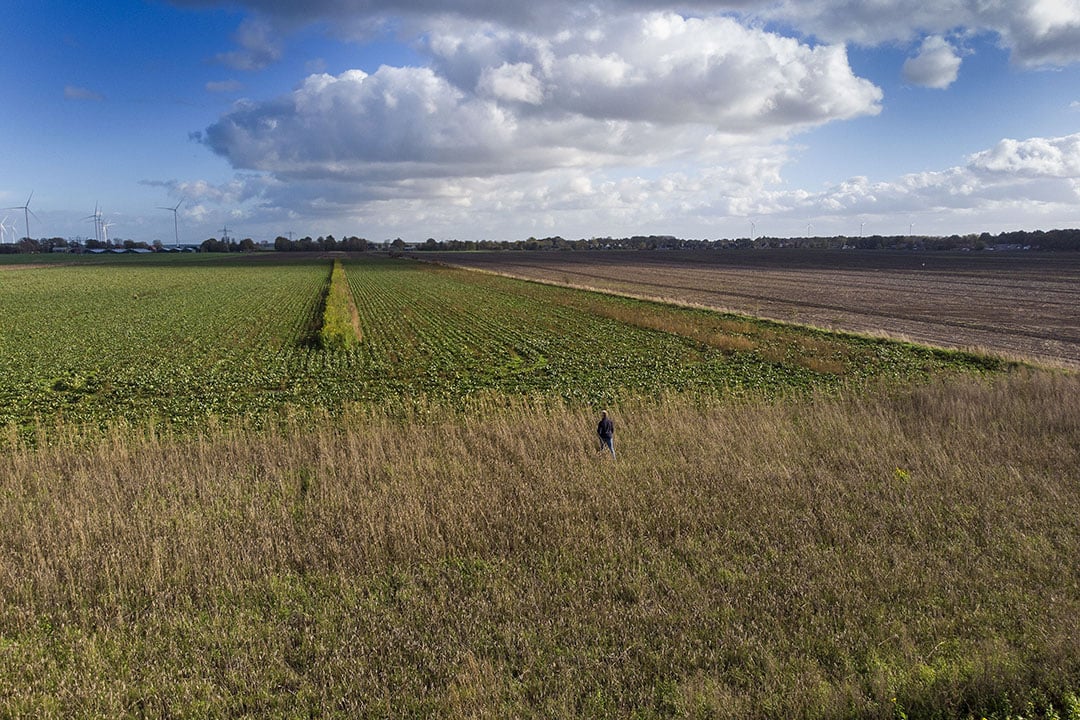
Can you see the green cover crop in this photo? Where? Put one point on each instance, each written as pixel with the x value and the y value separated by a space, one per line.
pixel 182 340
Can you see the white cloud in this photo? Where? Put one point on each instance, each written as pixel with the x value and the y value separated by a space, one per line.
pixel 641 90
pixel 1014 180
pixel 621 115
pixel 1036 157
pixel 397 121
pixel 511 83
pixel 1030 178
pixel 664 68
pixel 936 65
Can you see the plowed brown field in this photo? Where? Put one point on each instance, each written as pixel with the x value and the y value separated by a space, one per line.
pixel 1016 304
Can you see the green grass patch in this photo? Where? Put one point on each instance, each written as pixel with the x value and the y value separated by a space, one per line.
pixel 340 328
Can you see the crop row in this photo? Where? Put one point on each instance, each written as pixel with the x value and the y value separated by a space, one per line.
pixel 181 342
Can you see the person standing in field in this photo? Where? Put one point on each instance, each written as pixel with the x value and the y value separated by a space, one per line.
pixel 606 430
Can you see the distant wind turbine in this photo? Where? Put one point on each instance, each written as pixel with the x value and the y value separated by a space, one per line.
pixel 96 217
pixel 27 212
pixel 176 226
pixel 4 228
pixel 105 230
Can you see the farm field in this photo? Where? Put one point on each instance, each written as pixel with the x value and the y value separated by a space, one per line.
pixel 1016 304
pixel 207 514
pixel 180 340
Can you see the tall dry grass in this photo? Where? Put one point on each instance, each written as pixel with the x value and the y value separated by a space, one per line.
pixel 905 553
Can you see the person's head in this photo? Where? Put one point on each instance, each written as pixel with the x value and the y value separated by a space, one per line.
pixel 603 413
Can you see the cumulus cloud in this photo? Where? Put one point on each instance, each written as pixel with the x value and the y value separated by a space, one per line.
pixel 1033 176
pixel 1035 157
pixel 664 68
pixel 636 114
pixel 511 82
pixel 360 125
pixel 935 66
pixel 648 89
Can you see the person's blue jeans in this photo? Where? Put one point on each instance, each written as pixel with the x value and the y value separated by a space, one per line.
pixel 609 443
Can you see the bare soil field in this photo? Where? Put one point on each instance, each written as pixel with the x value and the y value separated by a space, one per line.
pixel 1017 304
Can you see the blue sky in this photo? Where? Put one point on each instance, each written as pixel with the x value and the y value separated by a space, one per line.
pixel 478 119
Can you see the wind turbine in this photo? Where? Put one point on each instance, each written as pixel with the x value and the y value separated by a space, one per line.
pixel 27 212
pixel 105 229
pixel 176 226
pixel 96 217
pixel 4 228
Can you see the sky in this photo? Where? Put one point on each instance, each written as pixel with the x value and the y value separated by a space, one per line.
pixel 498 120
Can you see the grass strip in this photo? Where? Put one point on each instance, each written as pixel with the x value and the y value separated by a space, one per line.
pixel 341 320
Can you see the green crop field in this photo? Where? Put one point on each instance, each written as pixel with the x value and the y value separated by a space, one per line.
pixel 179 340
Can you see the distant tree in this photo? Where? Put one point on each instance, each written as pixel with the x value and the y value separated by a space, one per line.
pixel 214 245
pixel 353 244
pixel 247 245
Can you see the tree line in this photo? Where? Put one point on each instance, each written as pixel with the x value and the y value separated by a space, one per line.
pixel 1049 240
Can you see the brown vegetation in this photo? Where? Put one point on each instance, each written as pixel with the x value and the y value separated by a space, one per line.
pixel 840 557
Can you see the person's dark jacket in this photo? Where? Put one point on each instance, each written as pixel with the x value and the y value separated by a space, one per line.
pixel 605 428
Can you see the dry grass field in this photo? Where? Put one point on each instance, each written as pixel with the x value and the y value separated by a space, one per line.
pixel 876 557
pixel 1012 304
